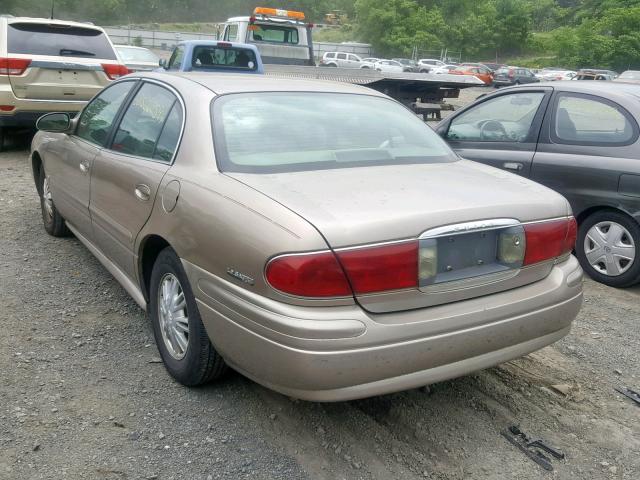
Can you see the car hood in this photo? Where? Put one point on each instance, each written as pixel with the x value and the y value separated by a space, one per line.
pixel 351 206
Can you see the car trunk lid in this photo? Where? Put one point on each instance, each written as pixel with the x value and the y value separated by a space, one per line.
pixel 355 207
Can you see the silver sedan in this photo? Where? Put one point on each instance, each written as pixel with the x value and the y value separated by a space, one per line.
pixel 316 237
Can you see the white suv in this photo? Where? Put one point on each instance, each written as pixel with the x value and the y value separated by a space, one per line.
pixel 50 66
pixel 427 64
pixel 343 60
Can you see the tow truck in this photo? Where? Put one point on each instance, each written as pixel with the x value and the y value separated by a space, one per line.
pixel 284 40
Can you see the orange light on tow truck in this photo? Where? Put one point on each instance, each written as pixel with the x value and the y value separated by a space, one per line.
pixel 276 12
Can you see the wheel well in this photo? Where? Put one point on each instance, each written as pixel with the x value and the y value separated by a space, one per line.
pixel 582 216
pixel 36 166
pixel 151 248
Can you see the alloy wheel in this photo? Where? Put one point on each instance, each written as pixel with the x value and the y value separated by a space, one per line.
pixel 46 197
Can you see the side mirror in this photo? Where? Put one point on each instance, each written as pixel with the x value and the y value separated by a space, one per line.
pixel 162 63
pixel 54 122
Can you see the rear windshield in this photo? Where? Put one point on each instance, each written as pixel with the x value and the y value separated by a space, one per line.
pixel 207 57
pixel 275 34
pixel 300 131
pixel 59 41
pixel 137 55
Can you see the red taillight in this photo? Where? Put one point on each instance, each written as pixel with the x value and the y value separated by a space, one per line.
pixel 548 240
pixel 308 275
pixel 224 44
pixel 381 268
pixel 114 70
pixel 13 66
pixel 7 108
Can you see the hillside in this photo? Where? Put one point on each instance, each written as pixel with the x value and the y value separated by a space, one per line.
pixel 571 32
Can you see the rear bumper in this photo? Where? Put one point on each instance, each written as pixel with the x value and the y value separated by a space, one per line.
pixel 26 112
pixel 343 353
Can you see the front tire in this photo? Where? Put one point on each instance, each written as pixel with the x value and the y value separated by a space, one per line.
pixel 182 340
pixel 607 248
pixel 53 222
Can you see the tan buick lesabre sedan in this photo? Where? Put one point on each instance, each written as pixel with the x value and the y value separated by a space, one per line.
pixel 317 237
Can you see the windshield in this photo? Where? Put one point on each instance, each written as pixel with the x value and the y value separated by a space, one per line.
pixel 58 40
pixel 299 131
pixel 129 54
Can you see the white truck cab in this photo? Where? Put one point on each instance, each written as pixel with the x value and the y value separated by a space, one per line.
pixel 281 36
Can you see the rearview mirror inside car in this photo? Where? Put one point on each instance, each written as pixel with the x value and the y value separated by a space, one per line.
pixel 54 122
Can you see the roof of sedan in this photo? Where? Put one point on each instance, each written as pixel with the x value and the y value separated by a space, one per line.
pixel 599 87
pixel 229 83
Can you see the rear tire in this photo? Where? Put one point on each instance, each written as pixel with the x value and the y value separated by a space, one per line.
pixel 54 223
pixel 595 248
pixel 182 340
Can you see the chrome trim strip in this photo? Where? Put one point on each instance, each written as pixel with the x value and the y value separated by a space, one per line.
pixel 131 288
pixel 467 227
pixel 65 65
pixel 373 245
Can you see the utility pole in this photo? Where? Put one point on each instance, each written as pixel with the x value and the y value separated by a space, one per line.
pixel 53 2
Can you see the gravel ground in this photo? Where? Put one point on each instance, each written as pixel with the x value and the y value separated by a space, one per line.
pixel 83 396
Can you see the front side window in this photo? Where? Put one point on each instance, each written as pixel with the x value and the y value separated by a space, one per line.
pixel 302 131
pixel 275 34
pixel 58 41
pixel 97 118
pixel 176 58
pixel 210 57
pixel 507 118
pixel 142 123
pixel 588 120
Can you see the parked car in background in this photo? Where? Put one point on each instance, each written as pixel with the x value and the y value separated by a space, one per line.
pixel 479 71
pixel 427 65
pixel 408 64
pixel 50 65
pixel 138 58
pixel 494 66
pixel 508 76
pixel 315 236
pixel 443 69
pixel 343 60
pixel 590 74
pixel 630 76
pixel 389 66
pixel 582 140
pixel 369 62
pixel 559 75
pixel 214 56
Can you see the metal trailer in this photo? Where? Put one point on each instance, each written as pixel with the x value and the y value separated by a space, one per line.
pixel 422 92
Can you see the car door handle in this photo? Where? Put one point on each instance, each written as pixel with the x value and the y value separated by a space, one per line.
pixel 84 166
pixel 143 192
pixel 513 166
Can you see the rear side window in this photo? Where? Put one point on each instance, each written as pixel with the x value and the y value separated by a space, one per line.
pixel 97 118
pixel 170 135
pixel 207 57
pixel 589 120
pixel 275 34
pixel 60 41
pixel 143 121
